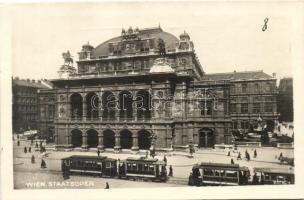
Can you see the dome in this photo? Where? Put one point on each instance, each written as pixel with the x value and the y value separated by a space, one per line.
pixel 161 66
pixel 169 39
pixel 184 35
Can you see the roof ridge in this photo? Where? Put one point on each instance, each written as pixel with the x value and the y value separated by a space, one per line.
pixel 235 72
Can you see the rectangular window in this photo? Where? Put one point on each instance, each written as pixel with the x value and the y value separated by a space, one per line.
pixel 235 125
pixel 268 107
pixel 256 108
pixel 108 164
pixel 244 108
pixel 206 107
pixel 232 108
pixel 244 125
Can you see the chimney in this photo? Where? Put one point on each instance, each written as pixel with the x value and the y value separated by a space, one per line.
pixel 274 75
pixel 33 81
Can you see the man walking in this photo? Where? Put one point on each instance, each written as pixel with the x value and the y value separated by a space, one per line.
pixel 239 156
pixel 170 171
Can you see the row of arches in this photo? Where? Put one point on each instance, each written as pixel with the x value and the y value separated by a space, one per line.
pixel 108 104
pixel 125 136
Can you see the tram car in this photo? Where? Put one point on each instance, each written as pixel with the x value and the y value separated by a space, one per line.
pixel 274 176
pixel 218 174
pixel 89 165
pixel 143 168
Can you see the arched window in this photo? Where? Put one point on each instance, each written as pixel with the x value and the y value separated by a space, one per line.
pixel 256 87
pixel 244 87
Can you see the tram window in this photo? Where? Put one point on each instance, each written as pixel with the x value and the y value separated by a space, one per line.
pixel 129 166
pixel 108 165
pixel 267 177
pixel 140 167
pixel 151 168
pixel 217 172
pixel 208 172
pixel 281 178
pixel 231 174
pixel 146 167
pixel 67 162
pixel 134 166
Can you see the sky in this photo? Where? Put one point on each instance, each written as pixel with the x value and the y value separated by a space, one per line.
pixel 226 36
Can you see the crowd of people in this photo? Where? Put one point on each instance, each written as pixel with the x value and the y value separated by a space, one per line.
pixel 38 147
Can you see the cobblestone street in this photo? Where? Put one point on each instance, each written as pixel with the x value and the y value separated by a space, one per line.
pixel 26 172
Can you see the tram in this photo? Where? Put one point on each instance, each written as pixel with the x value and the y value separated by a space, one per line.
pixel 143 168
pixel 274 176
pixel 130 168
pixel 218 174
pixel 89 165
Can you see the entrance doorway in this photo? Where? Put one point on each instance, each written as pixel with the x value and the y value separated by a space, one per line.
pixel 126 139
pixel 206 138
pixel 144 141
pixel 76 138
pixel 92 138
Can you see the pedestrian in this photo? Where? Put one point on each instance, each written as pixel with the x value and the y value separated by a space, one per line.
pixel 25 150
pixel 18 143
pixel 255 179
pixel 228 153
pixel 247 156
pixel 43 164
pixel 165 159
pixel 147 154
pixel 239 156
pixel 255 153
pixel 190 179
pixel 232 161
pixel 107 186
pixel 170 171
pixel 36 145
pixel 281 156
pixel 98 152
pixel 30 149
pixel 33 159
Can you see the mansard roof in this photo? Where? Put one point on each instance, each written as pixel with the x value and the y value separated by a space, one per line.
pixel 244 75
pixel 28 83
pixel 169 39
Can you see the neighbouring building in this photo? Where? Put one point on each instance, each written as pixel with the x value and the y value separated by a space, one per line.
pixel 147 87
pixel 253 95
pixel 285 100
pixel 46 114
pixel 25 103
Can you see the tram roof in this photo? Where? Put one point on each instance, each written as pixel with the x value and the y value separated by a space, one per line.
pixel 144 159
pixel 220 166
pixel 274 170
pixel 84 157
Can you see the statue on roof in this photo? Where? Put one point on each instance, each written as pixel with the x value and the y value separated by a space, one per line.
pixel 161 47
pixel 67 58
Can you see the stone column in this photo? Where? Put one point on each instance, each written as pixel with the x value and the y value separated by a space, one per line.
pixel 117 146
pixel 84 108
pixel 84 141
pixel 100 141
pixel 135 141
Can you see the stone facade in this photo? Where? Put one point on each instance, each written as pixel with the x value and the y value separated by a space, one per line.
pixel 46 114
pixel 145 87
pixel 24 108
